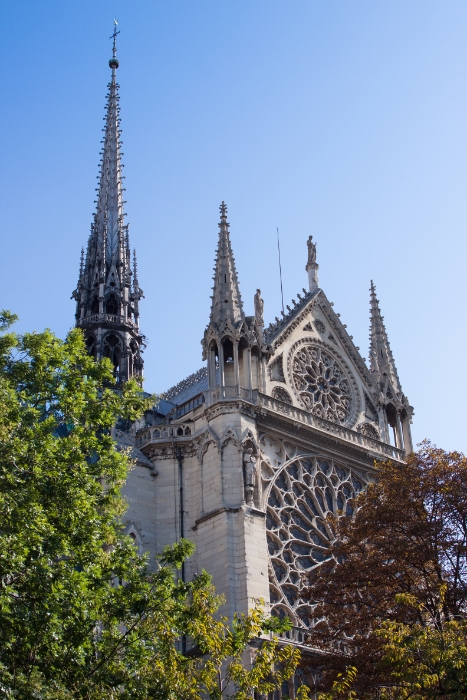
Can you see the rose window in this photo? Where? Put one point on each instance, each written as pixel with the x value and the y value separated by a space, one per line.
pixel 321 384
pixel 301 497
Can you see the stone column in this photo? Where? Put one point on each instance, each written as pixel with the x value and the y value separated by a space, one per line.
pixel 407 434
pixel 236 369
pixel 211 369
pixel 248 368
pixel 99 344
pixel 221 370
pixel 101 298
pixel 400 440
pixel 383 425
pixel 263 375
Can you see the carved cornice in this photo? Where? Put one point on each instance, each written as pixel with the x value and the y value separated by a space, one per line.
pixel 225 407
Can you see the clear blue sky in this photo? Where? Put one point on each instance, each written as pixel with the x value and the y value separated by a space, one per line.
pixel 344 119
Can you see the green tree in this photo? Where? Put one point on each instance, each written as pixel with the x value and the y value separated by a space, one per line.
pixel 82 614
pixel 426 659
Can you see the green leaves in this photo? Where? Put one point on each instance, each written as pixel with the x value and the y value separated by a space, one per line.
pixel 82 614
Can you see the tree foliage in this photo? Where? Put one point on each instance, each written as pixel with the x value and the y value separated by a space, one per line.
pixel 398 566
pixel 82 614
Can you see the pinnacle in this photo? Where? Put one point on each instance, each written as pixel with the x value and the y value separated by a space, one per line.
pixel 381 358
pixel 226 299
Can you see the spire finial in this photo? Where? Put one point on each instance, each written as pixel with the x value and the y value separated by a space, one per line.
pixel 223 211
pixel 113 63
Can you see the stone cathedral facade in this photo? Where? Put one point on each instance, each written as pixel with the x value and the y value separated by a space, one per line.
pixel 281 426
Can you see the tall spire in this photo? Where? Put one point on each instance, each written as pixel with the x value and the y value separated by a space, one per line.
pixel 381 359
pixel 109 211
pixel 226 299
pixel 107 305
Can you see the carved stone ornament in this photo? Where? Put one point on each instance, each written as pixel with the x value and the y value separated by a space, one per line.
pixel 368 430
pixel 319 325
pixel 301 496
pixel 249 475
pixel 321 383
pixel 311 251
pixel 281 395
pixel 259 308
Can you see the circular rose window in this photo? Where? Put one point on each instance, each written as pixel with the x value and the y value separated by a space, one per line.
pixel 301 497
pixel 321 384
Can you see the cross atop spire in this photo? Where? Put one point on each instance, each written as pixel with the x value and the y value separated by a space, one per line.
pixel 226 299
pixel 381 359
pixel 113 63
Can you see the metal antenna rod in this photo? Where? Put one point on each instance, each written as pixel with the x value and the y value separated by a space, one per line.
pixel 280 269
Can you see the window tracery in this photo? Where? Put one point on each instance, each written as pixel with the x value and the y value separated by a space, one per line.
pixel 281 395
pixel 321 384
pixel 302 495
pixel 368 430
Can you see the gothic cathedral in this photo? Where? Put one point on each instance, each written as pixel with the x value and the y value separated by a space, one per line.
pixel 281 426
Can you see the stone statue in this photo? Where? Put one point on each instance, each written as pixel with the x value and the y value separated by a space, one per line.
pixel 259 307
pixel 249 474
pixel 311 251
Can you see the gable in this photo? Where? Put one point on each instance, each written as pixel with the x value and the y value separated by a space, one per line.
pixel 315 366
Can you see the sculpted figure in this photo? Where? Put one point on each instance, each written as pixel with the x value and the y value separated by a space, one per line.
pixel 259 307
pixel 249 474
pixel 311 250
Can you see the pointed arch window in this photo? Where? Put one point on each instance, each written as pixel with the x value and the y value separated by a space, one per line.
pixel 91 345
pixel 112 305
pixel 113 350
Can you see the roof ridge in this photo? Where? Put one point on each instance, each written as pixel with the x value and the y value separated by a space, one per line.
pixel 185 383
pixel 274 328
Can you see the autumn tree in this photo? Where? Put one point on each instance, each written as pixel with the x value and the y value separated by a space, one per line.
pixel 397 569
pixel 82 614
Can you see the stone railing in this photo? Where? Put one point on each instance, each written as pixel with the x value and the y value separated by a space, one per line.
pixel 255 397
pixel 163 431
pixel 107 318
pixel 297 635
pixel 339 431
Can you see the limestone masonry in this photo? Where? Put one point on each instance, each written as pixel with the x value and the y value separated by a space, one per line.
pixel 282 425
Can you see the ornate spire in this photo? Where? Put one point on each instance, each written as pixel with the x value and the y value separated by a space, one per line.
pixel 381 360
pixel 105 298
pixel 226 299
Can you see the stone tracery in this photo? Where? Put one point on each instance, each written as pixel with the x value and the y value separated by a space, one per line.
pixel 321 384
pixel 302 495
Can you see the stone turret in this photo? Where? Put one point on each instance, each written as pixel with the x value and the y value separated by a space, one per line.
pixel 106 299
pixel 232 341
